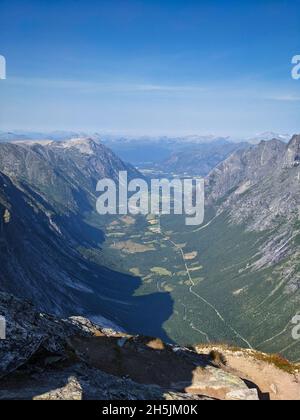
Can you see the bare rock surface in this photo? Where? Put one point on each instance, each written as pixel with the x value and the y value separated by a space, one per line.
pixel 258 189
pixel 47 358
pixel 274 377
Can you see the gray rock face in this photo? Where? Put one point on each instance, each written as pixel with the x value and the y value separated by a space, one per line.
pixel 242 395
pixel 220 384
pixel 200 159
pixel 63 173
pixel 259 188
pixel 251 165
pixel 292 155
pixel 255 198
pixel 28 332
pixel 81 383
pixel 45 358
pixel 46 192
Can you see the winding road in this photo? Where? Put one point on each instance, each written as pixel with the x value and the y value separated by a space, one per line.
pixel 201 297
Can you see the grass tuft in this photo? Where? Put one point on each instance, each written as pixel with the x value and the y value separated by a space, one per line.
pixel 218 358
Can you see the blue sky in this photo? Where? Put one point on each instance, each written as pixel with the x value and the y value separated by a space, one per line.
pixel 150 67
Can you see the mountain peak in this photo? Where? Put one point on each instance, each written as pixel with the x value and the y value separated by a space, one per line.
pixel 292 155
pixel 268 135
pixel 295 140
pixel 86 145
pixel 274 142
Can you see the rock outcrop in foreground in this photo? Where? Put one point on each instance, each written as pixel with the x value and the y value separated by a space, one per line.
pixel 45 358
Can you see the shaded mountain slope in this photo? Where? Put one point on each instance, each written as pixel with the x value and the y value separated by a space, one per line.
pixel 47 193
pixel 199 160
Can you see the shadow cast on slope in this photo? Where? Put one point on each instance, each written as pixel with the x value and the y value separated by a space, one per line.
pixel 113 298
pixel 118 367
pixel 40 262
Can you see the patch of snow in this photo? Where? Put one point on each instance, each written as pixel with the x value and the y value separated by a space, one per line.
pixel 84 144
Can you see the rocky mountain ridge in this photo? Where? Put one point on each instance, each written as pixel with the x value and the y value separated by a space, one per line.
pixel 260 187
pixel 46 191
pixel 46 358
pixel 199 160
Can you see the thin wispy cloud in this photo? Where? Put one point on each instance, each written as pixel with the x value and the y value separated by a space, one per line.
pixel 230 90
pixel 286 98
pixel 95 86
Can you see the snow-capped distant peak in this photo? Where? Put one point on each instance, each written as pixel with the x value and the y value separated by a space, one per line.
pixel 85 145
pixel 269 135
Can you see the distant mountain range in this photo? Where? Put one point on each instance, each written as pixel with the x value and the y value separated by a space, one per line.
pixel 193 154
pixel 115 138
pixel 15 135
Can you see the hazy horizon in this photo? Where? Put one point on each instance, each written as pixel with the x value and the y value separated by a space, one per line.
pixel 141 135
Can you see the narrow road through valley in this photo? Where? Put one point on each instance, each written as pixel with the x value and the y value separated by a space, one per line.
pixel 201 297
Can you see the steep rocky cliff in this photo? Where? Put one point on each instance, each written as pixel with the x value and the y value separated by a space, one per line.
pixel 46 193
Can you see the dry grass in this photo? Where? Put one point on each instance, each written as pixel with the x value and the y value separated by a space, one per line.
pixel 156 344
pixel 217 358
pixel 130 247
pixel 161 271
pixel 276 360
